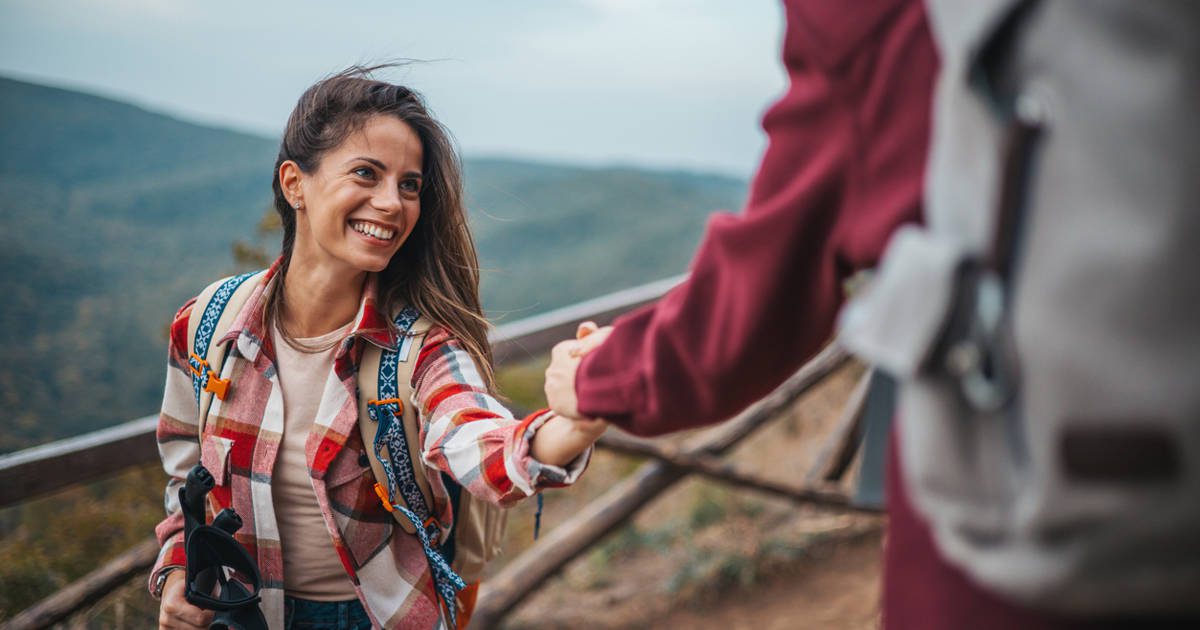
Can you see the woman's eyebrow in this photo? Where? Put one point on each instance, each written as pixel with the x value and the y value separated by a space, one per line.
pixel 373 161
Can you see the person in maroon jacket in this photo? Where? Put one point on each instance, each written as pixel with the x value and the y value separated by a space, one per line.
pixel 844 167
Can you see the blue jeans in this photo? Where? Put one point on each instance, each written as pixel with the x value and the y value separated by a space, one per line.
pixel 305 614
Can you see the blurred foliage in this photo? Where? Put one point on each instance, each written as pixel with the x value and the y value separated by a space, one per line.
pixel 47 543
pixel 706 572
pixel 521 384
pixel 709 506
pixel 111 217
pixel 260 252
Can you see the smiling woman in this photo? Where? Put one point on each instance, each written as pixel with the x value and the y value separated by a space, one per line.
pixel 369 151
pixel 377 269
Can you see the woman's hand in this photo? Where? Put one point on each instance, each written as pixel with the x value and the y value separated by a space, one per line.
pixel 174 612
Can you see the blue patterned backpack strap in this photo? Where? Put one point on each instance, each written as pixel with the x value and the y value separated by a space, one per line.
pixel 212 314
pixel 403 495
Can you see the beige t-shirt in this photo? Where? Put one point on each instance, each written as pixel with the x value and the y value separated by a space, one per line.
pixel 311 568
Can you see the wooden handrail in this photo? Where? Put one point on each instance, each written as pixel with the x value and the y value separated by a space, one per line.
pixel 40 470
pixel 534 336
pixel 713 467
pixel 43 469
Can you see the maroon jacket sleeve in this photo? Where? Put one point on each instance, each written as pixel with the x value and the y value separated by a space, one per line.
pixel 843 168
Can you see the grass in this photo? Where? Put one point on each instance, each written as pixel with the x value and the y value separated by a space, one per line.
pixel 706 572
pixel 521 383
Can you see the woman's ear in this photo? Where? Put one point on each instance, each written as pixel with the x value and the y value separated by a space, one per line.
pixel 290 180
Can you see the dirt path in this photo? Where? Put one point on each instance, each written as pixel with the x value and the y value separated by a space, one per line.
pixel 837 591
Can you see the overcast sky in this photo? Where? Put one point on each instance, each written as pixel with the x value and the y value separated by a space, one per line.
pixel 669 83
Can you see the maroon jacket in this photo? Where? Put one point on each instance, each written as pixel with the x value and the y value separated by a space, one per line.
pixel 843 168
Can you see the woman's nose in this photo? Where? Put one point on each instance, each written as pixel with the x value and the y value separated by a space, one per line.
pixel 387 199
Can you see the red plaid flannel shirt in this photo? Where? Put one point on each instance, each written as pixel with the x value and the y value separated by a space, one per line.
pixel 465 433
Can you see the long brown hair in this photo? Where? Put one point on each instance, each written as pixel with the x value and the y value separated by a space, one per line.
pixel 437 269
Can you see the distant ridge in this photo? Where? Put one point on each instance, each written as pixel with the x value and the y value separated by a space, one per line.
pixel 109 139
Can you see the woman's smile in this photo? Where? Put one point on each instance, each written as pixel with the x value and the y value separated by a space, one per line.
pixel 374 233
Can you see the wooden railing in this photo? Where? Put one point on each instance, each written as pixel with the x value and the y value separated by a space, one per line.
pixel 43 469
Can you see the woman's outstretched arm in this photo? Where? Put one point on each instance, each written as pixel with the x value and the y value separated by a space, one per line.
pixel 469 435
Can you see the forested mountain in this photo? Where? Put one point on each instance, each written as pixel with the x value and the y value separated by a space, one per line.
pixel 111 216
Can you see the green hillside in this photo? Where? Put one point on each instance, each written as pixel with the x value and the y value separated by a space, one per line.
pixel 111 216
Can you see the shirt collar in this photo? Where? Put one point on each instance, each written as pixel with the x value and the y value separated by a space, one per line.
pixel 370 323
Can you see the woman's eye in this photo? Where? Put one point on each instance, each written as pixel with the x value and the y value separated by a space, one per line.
pixel 365 172
pixel 410 186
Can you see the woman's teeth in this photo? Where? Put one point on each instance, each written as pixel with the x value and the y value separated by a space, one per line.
pixel 371 229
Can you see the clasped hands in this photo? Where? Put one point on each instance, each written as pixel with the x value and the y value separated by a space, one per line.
pixel 569 432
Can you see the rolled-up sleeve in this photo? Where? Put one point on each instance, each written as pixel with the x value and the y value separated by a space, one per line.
pixel 469 435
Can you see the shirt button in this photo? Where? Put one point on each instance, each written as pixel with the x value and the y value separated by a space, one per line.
pixel 363 461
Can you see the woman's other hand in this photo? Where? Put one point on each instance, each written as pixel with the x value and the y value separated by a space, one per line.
pixel 174 612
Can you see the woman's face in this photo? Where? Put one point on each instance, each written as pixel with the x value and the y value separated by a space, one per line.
pixel 362 201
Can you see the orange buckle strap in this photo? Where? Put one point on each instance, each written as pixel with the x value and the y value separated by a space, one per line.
pixel 399 404
pixel 381 492
pixel 216 385
pixel 198 366
pixel 434 529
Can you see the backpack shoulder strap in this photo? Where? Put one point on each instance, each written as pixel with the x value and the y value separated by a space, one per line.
pixel 212 315
pixel 385 386
pixel 388 421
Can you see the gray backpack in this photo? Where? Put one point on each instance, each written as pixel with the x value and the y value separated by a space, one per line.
pixel 1045 323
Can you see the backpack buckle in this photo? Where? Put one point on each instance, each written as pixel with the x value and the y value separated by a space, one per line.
pixel 381 492
pixel 211 381
pixel 216 385
pixel 386 403
pixel 434 529
pixel 980 360
pixel 197 365
pixel 432 526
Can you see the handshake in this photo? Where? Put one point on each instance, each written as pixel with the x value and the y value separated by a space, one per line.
pixel 568 433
